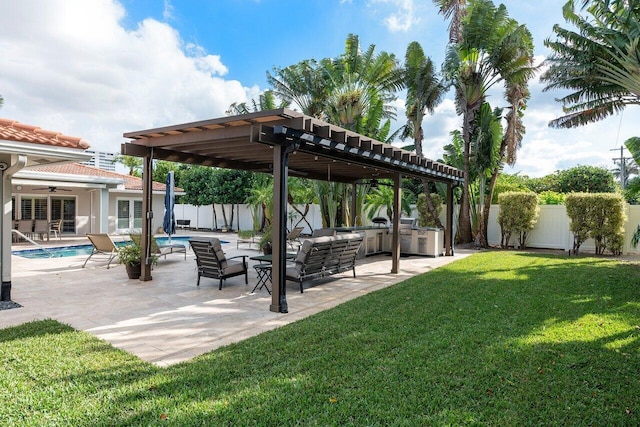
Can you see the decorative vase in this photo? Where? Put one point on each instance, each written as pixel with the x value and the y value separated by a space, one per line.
pixel 134 271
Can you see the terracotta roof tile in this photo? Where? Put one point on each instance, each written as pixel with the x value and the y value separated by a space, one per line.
pixel 12 130
pixel 130 182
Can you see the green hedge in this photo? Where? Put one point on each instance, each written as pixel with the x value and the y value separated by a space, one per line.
pixel 519 213
pixel 599 216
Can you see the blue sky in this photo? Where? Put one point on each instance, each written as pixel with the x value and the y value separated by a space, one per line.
pixel 99 68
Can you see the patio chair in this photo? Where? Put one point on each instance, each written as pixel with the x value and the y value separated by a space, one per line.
pixel 161 250
pixel 294 236
pixel 41 229
pixel 55 228
pixel 213 263
pixel 102 244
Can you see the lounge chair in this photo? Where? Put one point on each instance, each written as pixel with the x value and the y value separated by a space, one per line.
pixel 213 263
pixel 162 250
pixel 102 244
pixel 294 236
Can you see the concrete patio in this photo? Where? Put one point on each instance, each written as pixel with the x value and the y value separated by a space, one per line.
pixel 170 320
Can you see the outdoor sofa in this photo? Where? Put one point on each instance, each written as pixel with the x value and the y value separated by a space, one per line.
pixel 324 256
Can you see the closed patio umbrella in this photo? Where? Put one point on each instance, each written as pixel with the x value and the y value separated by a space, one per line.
pixel 169 220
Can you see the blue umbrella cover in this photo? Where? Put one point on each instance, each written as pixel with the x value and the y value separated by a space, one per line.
pixel 169 220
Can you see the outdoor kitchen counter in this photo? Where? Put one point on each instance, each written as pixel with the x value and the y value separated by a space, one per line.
pixel 375 239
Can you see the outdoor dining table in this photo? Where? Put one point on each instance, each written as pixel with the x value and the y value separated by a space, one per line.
pixel 263 269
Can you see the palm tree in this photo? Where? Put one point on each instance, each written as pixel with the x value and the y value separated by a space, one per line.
pixel 382 197
pixel 454 9
pixel 360 80
pixel 354 91
pixel 343 90
pixel 494 49
pixel 598 63
pixel 261 197
pixel 303 85
pixel 424 93
pixel 266 101
pixel 134 164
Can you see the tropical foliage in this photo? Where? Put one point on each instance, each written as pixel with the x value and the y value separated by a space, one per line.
pixel 424 93
pixel 597 63
pixel 355 91
pixel 266 101
pixel 492 48
pixel 134 164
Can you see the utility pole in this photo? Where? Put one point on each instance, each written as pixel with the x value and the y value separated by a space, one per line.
pixel 623 166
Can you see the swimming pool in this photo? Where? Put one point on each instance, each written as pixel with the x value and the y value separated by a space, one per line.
pixel 77 250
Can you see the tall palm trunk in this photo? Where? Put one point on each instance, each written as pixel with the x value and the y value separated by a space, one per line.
pixel 464 222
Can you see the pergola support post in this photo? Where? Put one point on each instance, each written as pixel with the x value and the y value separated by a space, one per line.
pixel 147 218
pixel 395 242
pixel 279 227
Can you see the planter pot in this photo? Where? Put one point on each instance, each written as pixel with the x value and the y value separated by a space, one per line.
pixel 134 271
pixel 267 249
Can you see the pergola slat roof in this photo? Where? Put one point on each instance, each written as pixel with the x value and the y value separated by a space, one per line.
pixel 245 142
pixel 284 142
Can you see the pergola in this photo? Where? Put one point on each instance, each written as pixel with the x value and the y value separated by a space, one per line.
pixel 284 142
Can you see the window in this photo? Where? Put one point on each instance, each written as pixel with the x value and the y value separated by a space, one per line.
pixel 33 208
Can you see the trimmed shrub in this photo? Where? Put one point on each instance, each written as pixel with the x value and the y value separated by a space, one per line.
pixel 518 214
pixel 599 216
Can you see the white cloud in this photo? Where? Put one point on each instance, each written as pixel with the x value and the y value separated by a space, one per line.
pixel 167 12
pixel 71 66
pixel 402 18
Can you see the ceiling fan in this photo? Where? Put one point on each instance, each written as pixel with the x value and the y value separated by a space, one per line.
pixel 375 183
pixel 52 189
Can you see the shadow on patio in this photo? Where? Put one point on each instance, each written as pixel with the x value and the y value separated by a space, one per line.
pixel 169 319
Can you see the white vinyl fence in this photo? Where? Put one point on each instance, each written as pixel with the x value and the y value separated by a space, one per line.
pixel 551 230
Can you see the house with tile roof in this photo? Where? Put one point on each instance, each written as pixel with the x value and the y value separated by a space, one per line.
pixel 42 179
pixel 92 200
pixel 23 146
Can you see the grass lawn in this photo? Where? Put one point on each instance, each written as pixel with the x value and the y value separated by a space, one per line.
pixel 498 338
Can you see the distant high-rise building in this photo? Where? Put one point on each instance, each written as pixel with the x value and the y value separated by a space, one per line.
pixel 102 160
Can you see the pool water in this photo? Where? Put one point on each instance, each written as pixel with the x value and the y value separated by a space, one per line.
pixel 77 250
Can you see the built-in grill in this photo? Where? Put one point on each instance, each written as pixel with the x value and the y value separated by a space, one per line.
pixel 407 225
pixel 380 221
pixel 405 231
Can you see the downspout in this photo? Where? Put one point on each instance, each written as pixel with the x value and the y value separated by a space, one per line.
pixel 5 232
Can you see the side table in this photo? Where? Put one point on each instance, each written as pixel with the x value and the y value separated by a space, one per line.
pixel 264 275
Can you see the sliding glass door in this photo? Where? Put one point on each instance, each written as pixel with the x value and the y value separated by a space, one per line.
pixel 65 208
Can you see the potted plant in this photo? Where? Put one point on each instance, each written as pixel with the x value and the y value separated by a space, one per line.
pixel 265 241
pixel 131 256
